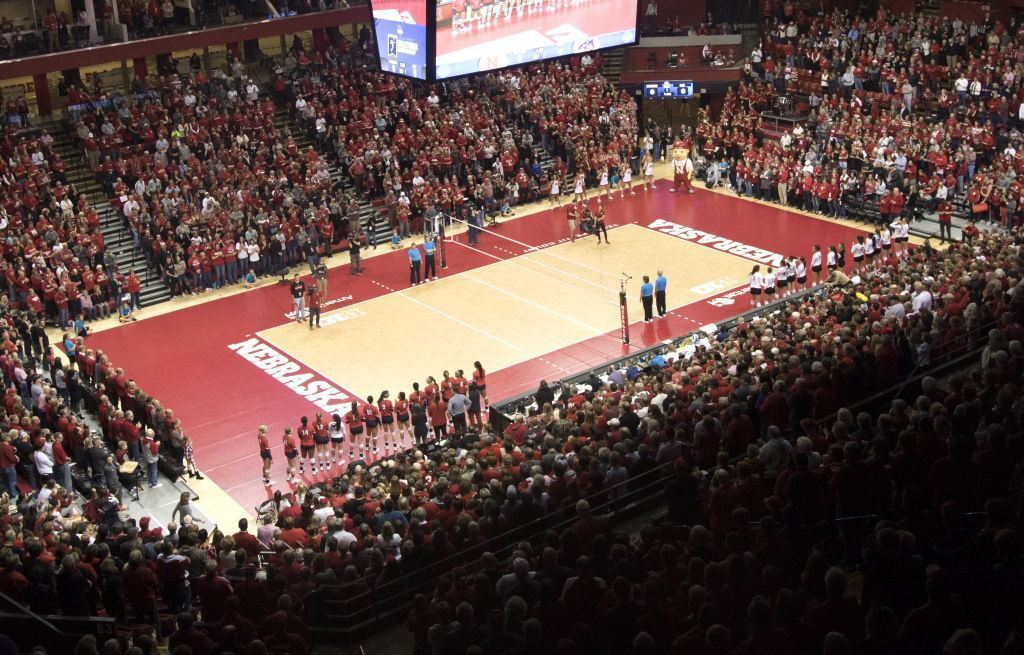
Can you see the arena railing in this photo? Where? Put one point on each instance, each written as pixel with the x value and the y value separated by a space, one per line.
pixel 358 615
pixel 57 633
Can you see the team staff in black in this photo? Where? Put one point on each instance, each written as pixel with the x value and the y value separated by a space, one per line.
pixel 600 227
pixel 647 299
pixel 298 289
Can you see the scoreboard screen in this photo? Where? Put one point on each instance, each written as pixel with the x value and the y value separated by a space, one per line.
pixel 668 89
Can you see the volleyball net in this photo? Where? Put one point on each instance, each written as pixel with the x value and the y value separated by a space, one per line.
pixel 540 260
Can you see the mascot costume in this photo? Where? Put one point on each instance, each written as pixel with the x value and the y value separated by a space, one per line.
pixel 682 166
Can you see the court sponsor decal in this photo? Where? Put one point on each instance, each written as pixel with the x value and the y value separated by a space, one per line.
pixel 333 301
pixel 714 286
pixel 753 253
pixel 300 379
pixel 727 299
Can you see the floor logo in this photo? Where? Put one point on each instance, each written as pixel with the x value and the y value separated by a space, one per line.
pixel 290 315
pixel 727 299
pixel 713 286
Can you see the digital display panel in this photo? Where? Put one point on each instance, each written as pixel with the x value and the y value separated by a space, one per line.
pixel 473 36
pixel 400 31
pixel 668 89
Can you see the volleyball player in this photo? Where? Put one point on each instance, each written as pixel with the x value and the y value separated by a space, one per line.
pixel 647 166
pixel 816 264
pixel 387 418
pixel 869 252
pixel 768 285
pixel 307 445
pixel 754 280
pixel 322 441
pixel 354 423
pixel 857 250
pixel 291 452
pixel 599 224
pixel 402 416
pixel 372 418
pixel 885 237
pixel 336 432
pixel 626 174
pixel 801 273
pixel 480 377
pixel 264 441
pixel 555 198
pixel 900 235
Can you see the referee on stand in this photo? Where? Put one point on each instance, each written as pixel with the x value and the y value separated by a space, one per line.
pixel 647 299
pixel 660 284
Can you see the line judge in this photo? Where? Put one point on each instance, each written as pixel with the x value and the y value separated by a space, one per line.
pixel 647 299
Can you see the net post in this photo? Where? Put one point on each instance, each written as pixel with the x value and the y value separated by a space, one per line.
pixel 440 241
pixel 623 312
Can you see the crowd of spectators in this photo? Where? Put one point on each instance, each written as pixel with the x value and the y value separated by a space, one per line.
pixel 921 104
pixel 209 187
pixel 474 142
pixel 55 264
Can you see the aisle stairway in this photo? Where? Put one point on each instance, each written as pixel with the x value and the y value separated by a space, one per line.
pixel 112 224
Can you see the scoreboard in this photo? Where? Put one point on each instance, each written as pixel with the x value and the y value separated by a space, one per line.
pixel 673 89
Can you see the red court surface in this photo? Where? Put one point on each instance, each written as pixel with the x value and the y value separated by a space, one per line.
pixel 183 357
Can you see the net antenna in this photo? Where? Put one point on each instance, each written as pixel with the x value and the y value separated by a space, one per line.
pixel 540 260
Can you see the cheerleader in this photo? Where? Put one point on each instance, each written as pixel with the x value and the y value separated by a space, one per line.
pixel 307 445
pixel 831 260
pixel 387 419
pixel 291 452
pixel 816 264
pixel 556 192
pixel 627 180
pixel 264 443
pixel 841 257
pixel 579 193
pixel 372 417
pixel 754 280
pixel 354 423
pixel 801 273
pixel 322 440
pixel 869 252
pixel 603 186
pixel 480 377
pixel 768 285
pixel 647 165
pixel 782 278
pixel 336 433
pixel 402 416
pixel 858 254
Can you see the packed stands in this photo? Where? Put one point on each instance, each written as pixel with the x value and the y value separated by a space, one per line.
pixel 824 492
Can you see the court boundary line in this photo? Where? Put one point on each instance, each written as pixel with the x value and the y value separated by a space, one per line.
pixel 537 249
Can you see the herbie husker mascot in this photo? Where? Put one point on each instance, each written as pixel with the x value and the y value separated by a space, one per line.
pixel 682 166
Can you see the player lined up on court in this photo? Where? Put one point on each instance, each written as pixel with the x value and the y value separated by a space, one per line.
pixel 456 401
